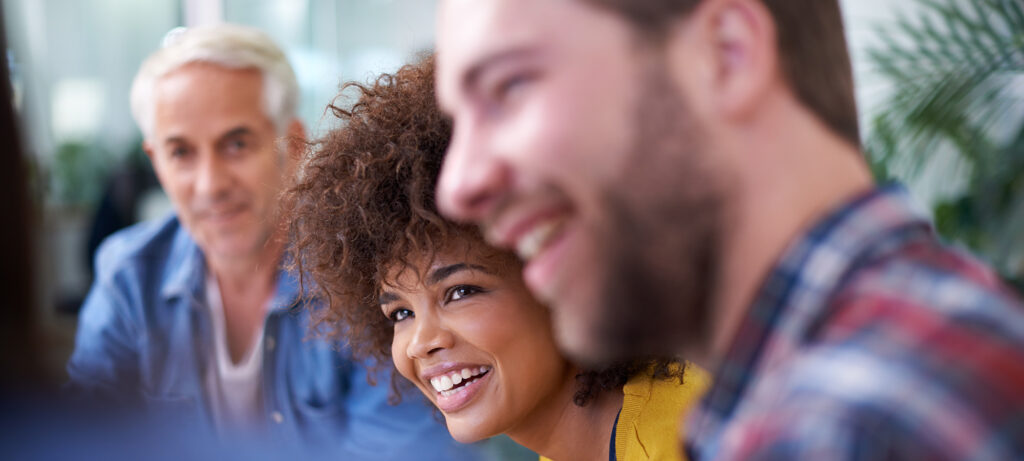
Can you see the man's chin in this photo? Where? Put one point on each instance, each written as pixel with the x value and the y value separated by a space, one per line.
pixel 234 249
pixel 580 341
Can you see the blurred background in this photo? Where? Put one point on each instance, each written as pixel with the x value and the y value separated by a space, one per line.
pixel 939 84
pixel 72 64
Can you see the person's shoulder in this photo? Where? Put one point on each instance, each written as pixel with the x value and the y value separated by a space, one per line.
pixel 671 391
pixel 877 393
pixel 920 355
pixel 652 409
pixel 137 246
pixel 928 275
pixel 931 304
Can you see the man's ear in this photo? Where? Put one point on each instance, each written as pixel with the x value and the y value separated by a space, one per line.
pixel 295 137
pixel 733 56
pixel 147 147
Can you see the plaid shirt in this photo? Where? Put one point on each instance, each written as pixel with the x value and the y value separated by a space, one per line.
pixel 870 340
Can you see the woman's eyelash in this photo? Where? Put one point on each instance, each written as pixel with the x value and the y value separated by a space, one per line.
pixel 399 314
pixel 461 291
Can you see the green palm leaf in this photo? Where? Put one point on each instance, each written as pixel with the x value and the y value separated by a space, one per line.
pixel 958 73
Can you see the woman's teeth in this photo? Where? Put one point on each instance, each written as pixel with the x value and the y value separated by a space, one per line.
pixel 445 383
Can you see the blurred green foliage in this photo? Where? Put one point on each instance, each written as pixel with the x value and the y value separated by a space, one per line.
pixel 958 73
pixel 78 173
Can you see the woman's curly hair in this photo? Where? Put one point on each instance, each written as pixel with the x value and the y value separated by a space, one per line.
pixel 363 203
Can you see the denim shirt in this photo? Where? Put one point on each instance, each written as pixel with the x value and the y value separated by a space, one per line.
pixel 145 337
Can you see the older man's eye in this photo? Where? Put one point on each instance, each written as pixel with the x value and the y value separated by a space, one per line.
pixel 179 152
pixel 398 315
pixel 236 146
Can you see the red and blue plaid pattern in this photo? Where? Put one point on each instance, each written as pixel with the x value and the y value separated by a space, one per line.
pixel 870 340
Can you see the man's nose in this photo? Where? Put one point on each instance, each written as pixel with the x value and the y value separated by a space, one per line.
pixel 429 337
pixel 473 179
pixel 212 178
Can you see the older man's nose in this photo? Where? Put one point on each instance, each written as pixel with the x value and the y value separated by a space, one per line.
pixel 212 177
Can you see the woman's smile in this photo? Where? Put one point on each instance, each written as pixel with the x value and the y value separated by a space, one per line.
pixel 456 389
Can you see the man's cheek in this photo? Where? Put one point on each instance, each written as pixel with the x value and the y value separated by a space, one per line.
pixel 523 134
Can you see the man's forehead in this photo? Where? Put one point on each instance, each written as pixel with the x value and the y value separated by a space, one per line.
pixel 471 30
pixel 230 98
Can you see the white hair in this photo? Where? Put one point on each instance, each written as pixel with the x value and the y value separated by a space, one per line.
pixel 227 45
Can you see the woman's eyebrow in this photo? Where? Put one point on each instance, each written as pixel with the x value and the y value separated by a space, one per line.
pixel 387 297
pixel 441 273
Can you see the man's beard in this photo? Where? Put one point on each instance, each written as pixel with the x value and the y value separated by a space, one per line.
pixel 660 240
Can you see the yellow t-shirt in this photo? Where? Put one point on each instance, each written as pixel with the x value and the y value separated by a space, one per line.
pixel 652 410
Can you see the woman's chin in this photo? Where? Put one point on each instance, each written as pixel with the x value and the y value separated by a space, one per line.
pixel 466 433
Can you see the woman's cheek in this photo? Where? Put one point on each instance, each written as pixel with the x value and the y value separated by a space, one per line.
pixel 402 361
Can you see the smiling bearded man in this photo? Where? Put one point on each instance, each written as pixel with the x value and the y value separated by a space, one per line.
pixel 685 177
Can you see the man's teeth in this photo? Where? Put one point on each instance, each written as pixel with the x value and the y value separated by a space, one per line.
pixel 532 242
pixel 447 382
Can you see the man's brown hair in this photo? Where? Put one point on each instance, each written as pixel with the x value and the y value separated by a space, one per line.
pixel 812 49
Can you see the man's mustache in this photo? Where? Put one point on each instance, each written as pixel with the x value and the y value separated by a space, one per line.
pixel 218 206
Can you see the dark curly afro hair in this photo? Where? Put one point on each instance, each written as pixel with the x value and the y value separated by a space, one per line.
pixel 363 203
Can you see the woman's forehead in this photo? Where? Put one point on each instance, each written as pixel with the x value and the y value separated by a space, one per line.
pixel 457 253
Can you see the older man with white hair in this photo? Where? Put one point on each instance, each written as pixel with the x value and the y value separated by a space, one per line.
pixel 193 312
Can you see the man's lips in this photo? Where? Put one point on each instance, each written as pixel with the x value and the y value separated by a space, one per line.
pixel 530 233
pixel 531 242
pixel 222 213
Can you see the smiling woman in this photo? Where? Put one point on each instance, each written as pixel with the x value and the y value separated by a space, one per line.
pixel 450 311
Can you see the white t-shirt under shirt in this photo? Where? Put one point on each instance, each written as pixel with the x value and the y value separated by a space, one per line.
pixel 234 390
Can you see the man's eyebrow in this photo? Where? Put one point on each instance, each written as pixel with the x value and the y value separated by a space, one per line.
pixel 472 75
pixel 236 131
pixel 175 139
pixel 388 297
pixel 438 275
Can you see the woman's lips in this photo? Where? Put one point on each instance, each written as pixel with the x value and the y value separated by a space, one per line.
pixel 446 381
pixel 453 391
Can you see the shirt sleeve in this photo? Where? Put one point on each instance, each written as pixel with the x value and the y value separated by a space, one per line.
pixel 817 437
pixel 822 420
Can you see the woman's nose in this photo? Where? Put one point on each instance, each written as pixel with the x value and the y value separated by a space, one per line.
pixel 430 336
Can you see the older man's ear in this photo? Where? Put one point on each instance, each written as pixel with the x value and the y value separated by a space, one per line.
pixel 295 141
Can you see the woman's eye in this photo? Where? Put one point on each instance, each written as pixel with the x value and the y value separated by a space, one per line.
pixel 458 292
pixel 398 315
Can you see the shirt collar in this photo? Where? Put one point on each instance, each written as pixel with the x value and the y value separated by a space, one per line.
pixel 187 278
pixel 287 295
pixel 186 268
pixel 792 300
